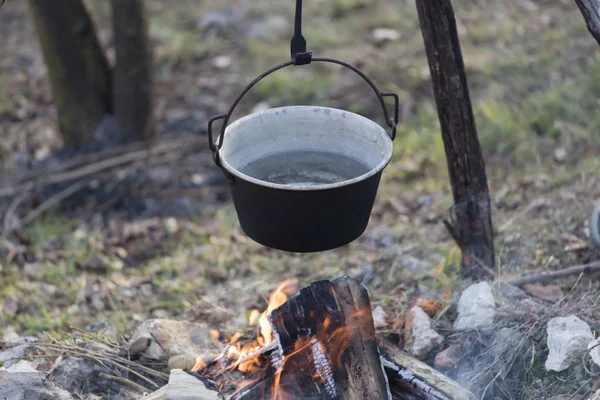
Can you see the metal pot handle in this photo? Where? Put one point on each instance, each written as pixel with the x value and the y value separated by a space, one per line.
pixel 302 59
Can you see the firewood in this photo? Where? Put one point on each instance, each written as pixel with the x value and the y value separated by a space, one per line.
pixel 427 383
pixel 328 348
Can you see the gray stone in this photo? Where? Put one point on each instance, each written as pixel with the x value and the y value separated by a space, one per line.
pixel 476 308
pixel 13 355
pixel 568 338
pixel 162 339
pixel 83 376
pixel 23 382
pixel 420 336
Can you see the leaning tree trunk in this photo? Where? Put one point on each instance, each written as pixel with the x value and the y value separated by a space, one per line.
pixel 133 70
pixel 78 69
pixel 472 225
pixel 591 13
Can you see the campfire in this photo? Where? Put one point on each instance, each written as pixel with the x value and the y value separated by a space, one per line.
pixel 319 343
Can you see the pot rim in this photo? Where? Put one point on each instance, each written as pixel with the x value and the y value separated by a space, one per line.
pixel 308 188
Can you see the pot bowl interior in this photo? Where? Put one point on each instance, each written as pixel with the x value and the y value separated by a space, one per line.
pixel 355 145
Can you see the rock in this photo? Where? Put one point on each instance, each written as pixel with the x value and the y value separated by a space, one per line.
pixel 85 377
pixel 448 359
pixel 594 348
pixel 13 355
pixel 595 396
pixel 222 62
pixel 568 338
pixel 379 318
pixel 420 337
pixel 476 308
pixel 162 339
pixel 550 293
pixel 33 270
pixel 23 382
pixel 171 225
pixel 105 328
pixel 509 292
pixel 8 333
pixel 183 386
pixel 560 155
pixel 188 363
pixel 138 345
pixel 381 35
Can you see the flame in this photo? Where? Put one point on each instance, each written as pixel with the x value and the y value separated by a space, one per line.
pixel 277 298
pixel 323 349
pixel 246 358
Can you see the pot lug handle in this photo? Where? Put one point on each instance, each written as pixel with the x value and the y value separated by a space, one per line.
pixel 214 147
pixel 392 122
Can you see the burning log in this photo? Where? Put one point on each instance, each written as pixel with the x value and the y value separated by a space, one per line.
pixel 327 347
pixel 321 344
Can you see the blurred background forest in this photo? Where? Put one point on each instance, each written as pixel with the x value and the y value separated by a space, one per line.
pixel 152 236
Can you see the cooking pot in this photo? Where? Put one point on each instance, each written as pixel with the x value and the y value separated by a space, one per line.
pixel 304 178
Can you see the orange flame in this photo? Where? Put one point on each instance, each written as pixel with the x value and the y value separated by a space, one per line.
pixel 326 347
pixel 246 358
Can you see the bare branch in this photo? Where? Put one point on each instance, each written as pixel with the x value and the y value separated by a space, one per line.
pixel 591 13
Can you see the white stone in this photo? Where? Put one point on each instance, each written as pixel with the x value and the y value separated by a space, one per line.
pixel 568 338
pixel 594 348
pixel 379 318
pixel 385 34
pixel 476 308
pixel 420 337
pixel 222 62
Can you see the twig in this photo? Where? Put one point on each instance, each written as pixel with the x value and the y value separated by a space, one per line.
pixel 549 276
pixel 123 381
pixel 77 161
pixel 53 201
pixel 10 212
pixel 100 166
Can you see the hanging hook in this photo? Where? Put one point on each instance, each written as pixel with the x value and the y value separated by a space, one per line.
pixel 298 46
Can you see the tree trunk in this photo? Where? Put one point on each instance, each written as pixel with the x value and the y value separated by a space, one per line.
pixel 78 70
pixel 591 13
pixel 472 225
pixel 133 70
